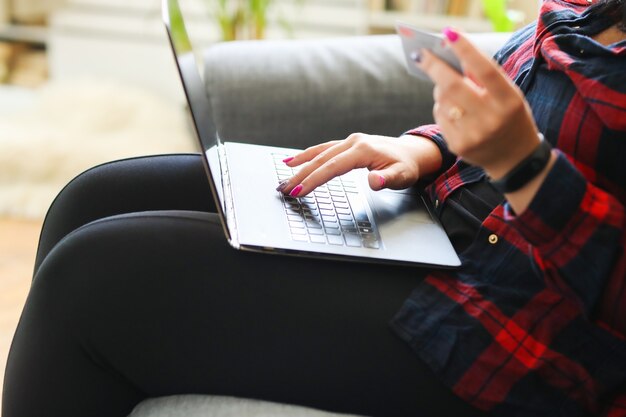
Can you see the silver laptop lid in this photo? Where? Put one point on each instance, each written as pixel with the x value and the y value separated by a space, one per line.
pixel 199 105
pixel 189 74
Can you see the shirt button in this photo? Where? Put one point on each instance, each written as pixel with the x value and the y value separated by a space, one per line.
pixel 493 239
pixel 436 203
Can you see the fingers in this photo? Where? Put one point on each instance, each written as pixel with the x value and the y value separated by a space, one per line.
pixel 453 130
pixel 479 66
pixel 449 84
pixel 390 161
pixel 325 162
pixel 308 180
pixel 309 153
pixel 482 92
pixel 394 177
pixel 481 71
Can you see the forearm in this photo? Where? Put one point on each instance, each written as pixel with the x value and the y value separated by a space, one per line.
pixel 426 153
pixel 433 133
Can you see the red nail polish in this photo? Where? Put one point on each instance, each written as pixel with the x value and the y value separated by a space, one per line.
pixel 296 191
pixel 287 160
pixel 451 34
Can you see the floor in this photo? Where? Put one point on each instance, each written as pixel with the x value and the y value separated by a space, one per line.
pixel 18 244
pixel 24 67
pixel 132 133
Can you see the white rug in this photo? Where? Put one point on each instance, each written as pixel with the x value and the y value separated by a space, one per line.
pixel 69 127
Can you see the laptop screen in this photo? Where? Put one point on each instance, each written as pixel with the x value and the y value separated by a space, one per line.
pixel 188 69
pixel 197 100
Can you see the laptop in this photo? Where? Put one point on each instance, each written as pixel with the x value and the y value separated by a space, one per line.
pixel 343 219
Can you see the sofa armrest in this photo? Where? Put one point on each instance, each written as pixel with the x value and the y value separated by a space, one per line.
pixel 221 406
pixel 300 93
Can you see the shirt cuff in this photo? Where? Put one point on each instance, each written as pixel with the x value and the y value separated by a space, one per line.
pixel 433 133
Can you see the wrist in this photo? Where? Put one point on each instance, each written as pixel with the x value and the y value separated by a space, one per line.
pixel 524 171
pixel 515 151
pixel 520 200
pixel 427 154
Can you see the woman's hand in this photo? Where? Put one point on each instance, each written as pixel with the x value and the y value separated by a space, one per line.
pixel 393 162
pixel 482 114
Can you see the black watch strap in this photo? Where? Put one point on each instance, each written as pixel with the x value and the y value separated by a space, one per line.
pixel 526 170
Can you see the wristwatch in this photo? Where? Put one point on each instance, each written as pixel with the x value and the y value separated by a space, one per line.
pixel 526 170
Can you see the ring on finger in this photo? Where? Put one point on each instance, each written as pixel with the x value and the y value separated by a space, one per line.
pixel 455 113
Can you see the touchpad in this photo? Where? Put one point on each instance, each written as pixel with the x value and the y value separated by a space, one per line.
pixel 402 207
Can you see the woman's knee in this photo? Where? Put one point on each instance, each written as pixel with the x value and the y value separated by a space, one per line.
pixel 105 285
pixel 120 270
pixel 164 182
pixel 121 242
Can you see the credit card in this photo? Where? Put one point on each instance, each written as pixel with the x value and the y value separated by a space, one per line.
pixel 413 40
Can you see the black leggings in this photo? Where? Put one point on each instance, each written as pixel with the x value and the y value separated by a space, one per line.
pixel 137 294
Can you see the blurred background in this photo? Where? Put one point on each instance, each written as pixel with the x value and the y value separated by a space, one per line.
pixel 88 81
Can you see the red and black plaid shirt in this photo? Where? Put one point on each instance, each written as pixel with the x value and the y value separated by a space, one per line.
pixel 533 323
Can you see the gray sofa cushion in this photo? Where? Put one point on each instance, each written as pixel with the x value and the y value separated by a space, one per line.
pixel 300 93
pixel 218 406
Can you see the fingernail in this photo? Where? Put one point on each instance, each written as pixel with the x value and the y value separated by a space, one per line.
pixel 287 160
pixel 416 56
pixel 451 34
pixel 382 181
pixel 282 185
pixel 296 191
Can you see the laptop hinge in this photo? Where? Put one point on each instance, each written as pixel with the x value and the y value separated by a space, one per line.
pixel 229 208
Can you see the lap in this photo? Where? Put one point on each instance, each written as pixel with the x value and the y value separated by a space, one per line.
pixel 155 302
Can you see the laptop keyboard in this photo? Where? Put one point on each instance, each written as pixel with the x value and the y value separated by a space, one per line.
pixel 332 214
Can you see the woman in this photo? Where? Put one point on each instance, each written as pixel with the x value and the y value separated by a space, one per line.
pixel 139 295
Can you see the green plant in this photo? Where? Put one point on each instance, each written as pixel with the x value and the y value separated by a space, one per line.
pixel 503 19
pixel 230 16
pixel 243 19
pixel 258 17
